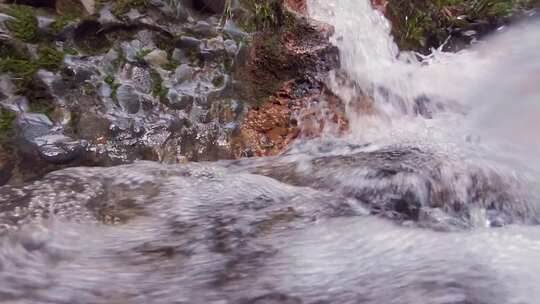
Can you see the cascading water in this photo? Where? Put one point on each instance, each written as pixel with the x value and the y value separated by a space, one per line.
pixel 430 198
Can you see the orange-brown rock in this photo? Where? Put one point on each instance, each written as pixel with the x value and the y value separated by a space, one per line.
pixel 289 115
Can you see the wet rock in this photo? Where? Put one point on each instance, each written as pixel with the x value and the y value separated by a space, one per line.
pixel 179 55
pixel 269 128
pixel 275 57
pixel 138 76
pixel 204 29
pixel 17 104
pixel 156 58
pixel 33 125
pixel 213 48
pixel 128 99
pixel 59 149
pixel 187 42
pixel 180 100
pixel 184 73
pixel 230 46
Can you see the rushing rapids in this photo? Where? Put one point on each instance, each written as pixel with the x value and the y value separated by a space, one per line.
pixel 431 197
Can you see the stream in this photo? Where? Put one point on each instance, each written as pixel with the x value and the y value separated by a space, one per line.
pixel 432 197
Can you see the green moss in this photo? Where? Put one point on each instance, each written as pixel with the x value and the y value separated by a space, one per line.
pixel 62 21
pixel 49 58
pixel 70 51
pixel 114 92
pixel 218 81
pixel 158 90
pixel 23 69
pixel 24 26
pixel 171 65
pixel 265 14
pixel 109 79
pixel 142 53
pixel 121 59
pixel 7 119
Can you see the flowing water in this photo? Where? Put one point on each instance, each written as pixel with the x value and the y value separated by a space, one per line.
pixel 432 197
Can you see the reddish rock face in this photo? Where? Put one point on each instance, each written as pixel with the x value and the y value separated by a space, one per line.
pixel 380 5
pixel 298 6
pixel 289 115
pixel 280 73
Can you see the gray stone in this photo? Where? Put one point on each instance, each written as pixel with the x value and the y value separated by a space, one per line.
pixel 179 55
pixel 139 76
pixel 131 49
pixel 134 14
pixel 156 58
pixel 105 16
pixel 16 104
pixel 59 149
pixel 230 46
pixel 180 100
pixel 204 29
pixel 44 21
pixel 33 125
pixel 89 6
pixel 187 42
pixel 128 99
pixel 184 73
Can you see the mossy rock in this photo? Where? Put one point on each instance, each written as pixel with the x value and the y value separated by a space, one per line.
pixel 420 25
pixel 24 25
pixel 23 69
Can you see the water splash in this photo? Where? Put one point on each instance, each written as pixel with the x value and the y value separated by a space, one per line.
pixel 468 104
